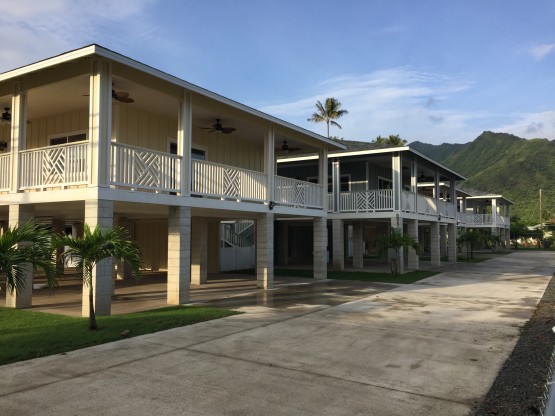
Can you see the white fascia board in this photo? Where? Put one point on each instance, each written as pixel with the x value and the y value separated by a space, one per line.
pixel 124 60
pixel 491 196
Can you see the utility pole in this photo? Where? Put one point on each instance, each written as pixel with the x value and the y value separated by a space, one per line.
pixel 541 217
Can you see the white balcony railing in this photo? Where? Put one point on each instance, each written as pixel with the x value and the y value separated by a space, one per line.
pixel 426 205
pixel 5 176
pixel 447 209
pixel 54 166
pixel 366 201
pixel 296 193
pixel 479 219
pixel 139 168
pixel 408 201
pixel 227 182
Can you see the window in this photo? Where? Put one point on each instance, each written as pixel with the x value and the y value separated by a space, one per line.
pixel 68 138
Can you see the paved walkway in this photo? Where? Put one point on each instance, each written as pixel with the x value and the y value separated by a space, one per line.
pixel 430 348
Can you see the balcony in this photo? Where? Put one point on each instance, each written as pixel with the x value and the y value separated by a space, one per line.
pixel 138 169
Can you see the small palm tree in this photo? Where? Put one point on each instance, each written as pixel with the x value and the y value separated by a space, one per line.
pixel 395 240
pixel 21 246
pixel 328 112
pixel 95 246
pixel 393 140
pixel 471 239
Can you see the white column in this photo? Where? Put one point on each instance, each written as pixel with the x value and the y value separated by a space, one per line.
pixel 265 251
pixel 452 243
pixel 320 248
pixel 100 213
pixel 358 259
pixel 434 244
pixel 184 141
pixel 179 255
pixel 336 185
pixel 199 251
pixel 338 235
pixel 100 122
pixel 413 259
pixel 18 135
pixel 270 163
pixel 19 215
pixel 396 180
pixel 323 175
pixel 414 185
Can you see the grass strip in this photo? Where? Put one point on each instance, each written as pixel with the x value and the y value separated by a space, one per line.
pixel 27 334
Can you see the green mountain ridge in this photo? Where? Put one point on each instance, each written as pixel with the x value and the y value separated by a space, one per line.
pixel 505 164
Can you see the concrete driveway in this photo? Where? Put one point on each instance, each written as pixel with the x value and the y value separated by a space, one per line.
pixel 430 348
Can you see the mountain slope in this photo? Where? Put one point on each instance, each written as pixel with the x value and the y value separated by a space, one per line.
pixel 505 164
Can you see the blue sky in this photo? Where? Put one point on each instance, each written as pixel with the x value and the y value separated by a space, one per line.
pixel 434 71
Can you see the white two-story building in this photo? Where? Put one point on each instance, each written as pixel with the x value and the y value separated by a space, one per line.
pixel 91 136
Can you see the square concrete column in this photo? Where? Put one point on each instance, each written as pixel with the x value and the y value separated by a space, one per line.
pixel 320 248
pixel 19 215
pixel 265 251
pixel 199 251
pixel 283 243
pixel 358 259
pixel 100 213
pixel 124 271
pixel 179 255
pixel 338 234
pixel 413 260
pixel 434 244
pixel 452 243
pixel 443 240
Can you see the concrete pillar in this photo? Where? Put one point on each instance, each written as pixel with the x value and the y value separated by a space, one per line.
pixel 179 255
pixel 199 251
pixel 320 248
pixel 452 243
pixel 434 244
pixel 124 271
pixel 443 240
pixel 397 224
pixel 265 251
pixel 338 235
pixel 358 255
pixel 19 215
pixel 99 213
pixel 283 243
pixel 413 259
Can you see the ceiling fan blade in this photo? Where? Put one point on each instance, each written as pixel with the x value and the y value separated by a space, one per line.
pixel 228 130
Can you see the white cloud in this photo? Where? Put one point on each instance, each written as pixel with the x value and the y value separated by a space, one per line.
pixel 531 125
pixel 400 101
pixel 541 51
pixel 39 29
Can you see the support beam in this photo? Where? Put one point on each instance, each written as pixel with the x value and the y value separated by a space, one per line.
pixel 265 251
pixel 452 243
pixel 434 244
pixel 358 259
pixel 179 255
pixel 270 162
pixel 184 141
pixel 338 235
pixel 99 213
pixel 413 259
pixel 18 135
pixel 19 215
pixel 199 251
pixel 320 248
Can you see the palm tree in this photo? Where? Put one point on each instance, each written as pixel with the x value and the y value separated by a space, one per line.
pixel 21 246
pixel 395 240
pixel 393 140
pixel 328 113
pixel 471 239
pixel 95 246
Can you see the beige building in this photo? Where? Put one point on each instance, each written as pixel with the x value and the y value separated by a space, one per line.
pixel 91 136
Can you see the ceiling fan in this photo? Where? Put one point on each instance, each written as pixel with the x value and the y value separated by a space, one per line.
pixel 286 149
pixel 424 178
pixel 122 97
pixel 6 116
pixel 218 128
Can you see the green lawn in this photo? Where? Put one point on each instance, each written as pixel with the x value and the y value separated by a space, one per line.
pixel 409 277
pixel 26 334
